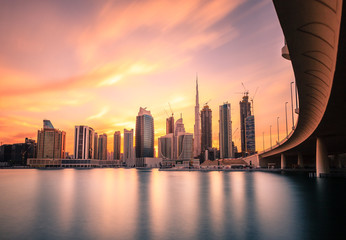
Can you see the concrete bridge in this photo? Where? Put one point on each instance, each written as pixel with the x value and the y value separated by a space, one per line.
pixel 315 32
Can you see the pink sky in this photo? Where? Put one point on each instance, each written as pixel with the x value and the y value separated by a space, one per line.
pixel 96 62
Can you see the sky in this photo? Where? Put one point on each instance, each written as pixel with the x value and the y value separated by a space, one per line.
pixel 95 63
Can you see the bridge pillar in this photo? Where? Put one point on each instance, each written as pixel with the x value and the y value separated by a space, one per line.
pixel 283 161
pixel 300 160
pixel 322 163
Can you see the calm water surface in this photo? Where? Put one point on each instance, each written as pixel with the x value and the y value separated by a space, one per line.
pixel 133 204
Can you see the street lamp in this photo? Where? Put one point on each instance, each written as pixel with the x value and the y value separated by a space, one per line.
pixel 286 119
pixel 292 106
pixel 277 122
pixel 271 145
pixel 263 139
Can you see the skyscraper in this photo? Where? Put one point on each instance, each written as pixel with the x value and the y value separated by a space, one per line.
pixel 197 128
pixel 225 131
pixel 144 134
pixel 84 142
pixel 102 147
pixel 179 126
pixel 245 111
pixel 128 147
pixel 206 128
pixel 170 125
pixel 50 141
pixel 117 145
pixel 250 134
pixel 96 149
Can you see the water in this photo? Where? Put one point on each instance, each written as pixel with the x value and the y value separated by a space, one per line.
pixel 133 204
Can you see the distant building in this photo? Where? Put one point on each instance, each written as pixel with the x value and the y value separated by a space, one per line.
pixel 250 134
pixel 206 128
pixel 128 148
pixel 225 131
pixel 96 149
pixel 50 141
pixel 117 145
pixel 18 153
pixel 166 146
pixel 170 125
pixel 245 111
pixel 144 134
pixel 84 142
pixel 102 147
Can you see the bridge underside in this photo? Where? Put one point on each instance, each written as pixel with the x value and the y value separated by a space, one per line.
pixel 315 31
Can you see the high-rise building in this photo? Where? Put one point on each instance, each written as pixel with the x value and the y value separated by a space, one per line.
pixel 179 126
pixel 170 125
pixel 84 142
pixel 128 148
pixel 96 149
pixel 250 134
pixel 225 131
pixel 102 147
pixel 166 149
pixel 144 134
pixel 245 111
pixel 197 128
pixel 206 128
pixel 50 141
pixel 117 145
pixel 184 146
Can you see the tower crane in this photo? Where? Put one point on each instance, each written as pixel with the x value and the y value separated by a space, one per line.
pixel 253 108
pixel 246 92
pixel 171 109
pixel 206 103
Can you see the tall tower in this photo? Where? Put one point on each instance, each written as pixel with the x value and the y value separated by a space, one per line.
pixel 144 134
pixel 245 111
pixel 225 131
pixel 206 128
pixel 102 145
pixel 51 142
pixel 170 125
pixel 84 142
pixel 197 129
pixel 128 148
pixel 116 145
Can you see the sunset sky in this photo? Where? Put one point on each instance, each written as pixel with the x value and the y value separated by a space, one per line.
pixel 87 62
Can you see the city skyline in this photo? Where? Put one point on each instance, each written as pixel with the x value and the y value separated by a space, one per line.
pixel 91 85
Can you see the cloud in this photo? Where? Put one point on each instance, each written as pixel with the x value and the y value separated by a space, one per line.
pixel 100 114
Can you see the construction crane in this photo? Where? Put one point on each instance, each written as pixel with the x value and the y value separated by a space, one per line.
pixel 246 92
pixel 206 103
pixel 253 108
pixel 166 113
pixel 234 132
pixel 171 109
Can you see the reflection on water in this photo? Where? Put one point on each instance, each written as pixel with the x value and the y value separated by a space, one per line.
pixel 132 204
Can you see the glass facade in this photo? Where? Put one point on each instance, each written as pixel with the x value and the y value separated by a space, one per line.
pixel 206 128
pixel 250 135
pixel 225 131
pixel 245 111
pixel 185 146
pixel 144 136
